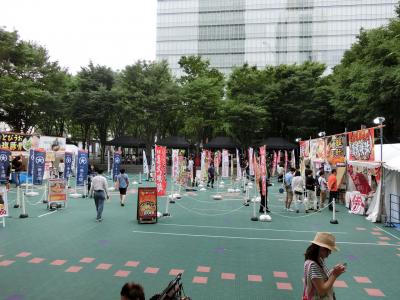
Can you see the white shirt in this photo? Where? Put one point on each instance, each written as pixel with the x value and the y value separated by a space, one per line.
pixel 297 184
pixel 322 183
pixel 280 170
pixel 99 183
pixel 190 165
pixel 61 167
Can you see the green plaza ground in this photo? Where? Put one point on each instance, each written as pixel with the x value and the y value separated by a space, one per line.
pixel 65 254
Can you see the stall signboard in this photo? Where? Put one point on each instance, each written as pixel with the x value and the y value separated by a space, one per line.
pixel 18 141
pixel 336 149
pixel 161 170
pixel 317 149
pixel 304 149
pixel 57 190
pixel 147 205
pixel 360 181
pixel 4 164
pixel 38 166
pixel 357 205
pixel 3 203
pixel 361 145
pixel 52 143
pixel 82 167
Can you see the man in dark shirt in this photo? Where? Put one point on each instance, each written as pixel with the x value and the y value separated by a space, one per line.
pixel 17 166
pixel 211 175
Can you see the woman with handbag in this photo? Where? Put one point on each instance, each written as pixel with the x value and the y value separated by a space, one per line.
pixel 318 280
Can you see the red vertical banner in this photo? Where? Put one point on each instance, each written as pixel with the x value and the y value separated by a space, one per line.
pixel 304 149
pixel 263 171
pixel 286 160
pixel 361 144
pixel 161 170
pixel 274 164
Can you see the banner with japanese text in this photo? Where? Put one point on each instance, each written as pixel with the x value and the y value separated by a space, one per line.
pixel 38 166
pixel 361 145
pixel 217 160
pixel 238 168
pixel 304 149
pixel 274 166
pixel 18 141
pixel 31 161
pixel 336 150
pixel 360 181
pixel 286 160
pixel 161 169
pixel 4 164
pixel 147 205
pixel 82 167
pixel 175 163
pixel 3 202
pixel 68 165
pixel 225 164
pixel 251 165
pixel 116 164
pixel 263 171
pixel 293 160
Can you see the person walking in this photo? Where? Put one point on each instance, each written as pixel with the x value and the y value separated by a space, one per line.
pixel 99 190
pixel 211 175
pixel 318 279
pixel 17 166
pixel 298 190
pixel 333 188
pixel 287 181
pixel 310 189
pixel 123 182
pixel 323 186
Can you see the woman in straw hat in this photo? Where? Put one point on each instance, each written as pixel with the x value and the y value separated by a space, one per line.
pixel 318 280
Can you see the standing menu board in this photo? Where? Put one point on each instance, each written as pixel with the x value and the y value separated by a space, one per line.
pixel 147 205
pixel 57 190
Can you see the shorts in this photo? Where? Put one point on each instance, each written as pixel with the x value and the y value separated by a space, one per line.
pixel 122 191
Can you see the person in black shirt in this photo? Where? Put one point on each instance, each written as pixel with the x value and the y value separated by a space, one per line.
pixel 211 175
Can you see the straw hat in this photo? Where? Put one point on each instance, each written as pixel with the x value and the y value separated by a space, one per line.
pixel 326 240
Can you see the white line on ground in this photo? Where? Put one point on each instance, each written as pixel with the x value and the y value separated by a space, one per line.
pixel 251 238
pixel 49 213
pixel 396 237
pixel 247 228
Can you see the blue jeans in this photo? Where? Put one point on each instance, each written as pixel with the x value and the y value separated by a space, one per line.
pixel 17 179
pixel 99 197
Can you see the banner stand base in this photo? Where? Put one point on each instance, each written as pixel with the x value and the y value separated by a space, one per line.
pixel 334 222
pixel 254 219
pixel 166 214
pixel 16 205
pixel 23 216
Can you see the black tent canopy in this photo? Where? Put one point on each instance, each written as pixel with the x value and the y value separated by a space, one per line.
pixel 174 142
pixel 127 142
pixel 221 142
pixel 277 143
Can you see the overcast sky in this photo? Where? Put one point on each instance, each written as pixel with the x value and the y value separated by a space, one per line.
pixel 114 33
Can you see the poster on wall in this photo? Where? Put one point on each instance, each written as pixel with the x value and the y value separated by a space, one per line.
pixel 3 203
pixel 18 141
pixel 317 149
pixel 147 205
pixel 361 145
pixel 336 150
pixel 57 190
pixel 161 170
pixel 52 143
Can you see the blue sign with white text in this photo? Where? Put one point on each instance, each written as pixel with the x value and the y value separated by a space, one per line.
pixel 38 166
pixel 4 164
pixel 82 167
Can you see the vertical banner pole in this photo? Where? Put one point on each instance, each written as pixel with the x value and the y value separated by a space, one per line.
pixel 23 213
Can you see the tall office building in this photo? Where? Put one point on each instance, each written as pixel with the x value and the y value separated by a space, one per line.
pixel 264 32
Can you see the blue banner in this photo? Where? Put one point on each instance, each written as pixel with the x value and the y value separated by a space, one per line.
pixel 116 164
pixel 31 161
pixel 68 165
pixel 82 167
pixel 38 166
pixel 4 163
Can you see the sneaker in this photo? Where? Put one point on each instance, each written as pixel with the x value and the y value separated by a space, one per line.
pixel 122 204
pixel 297 211
pixel 306 211
pixel 99 220
pixel 289 209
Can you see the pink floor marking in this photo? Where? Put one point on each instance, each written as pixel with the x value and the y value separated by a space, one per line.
pixel 36 260
pixel 376 233
pixel 122 273
pixel 132 264
pixel 23 254
pixel 384 238
pixel 254 278
pixel 362 279
pixel 340 284
pixel 6 263
pixel 151 270
pixel 175 272
pixel 360 228
pixel 284 286
pixel 87 260
pixel 103 266
pixel 58 262
pixel 199 279
pixel 228 276
pixel 374 292
pixel 73 269
pixel 203 269
pixel 280 274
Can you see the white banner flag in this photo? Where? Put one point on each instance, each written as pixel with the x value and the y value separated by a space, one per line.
pixel 175 163
pixel 238 168
pixel 225 163
pixel 293 162
pixel 153 162
pixel 251 165
pixel 145 165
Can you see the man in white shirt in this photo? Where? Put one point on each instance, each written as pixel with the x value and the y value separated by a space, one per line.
pixel 323 186
pixel 99 189
pixel 280 170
